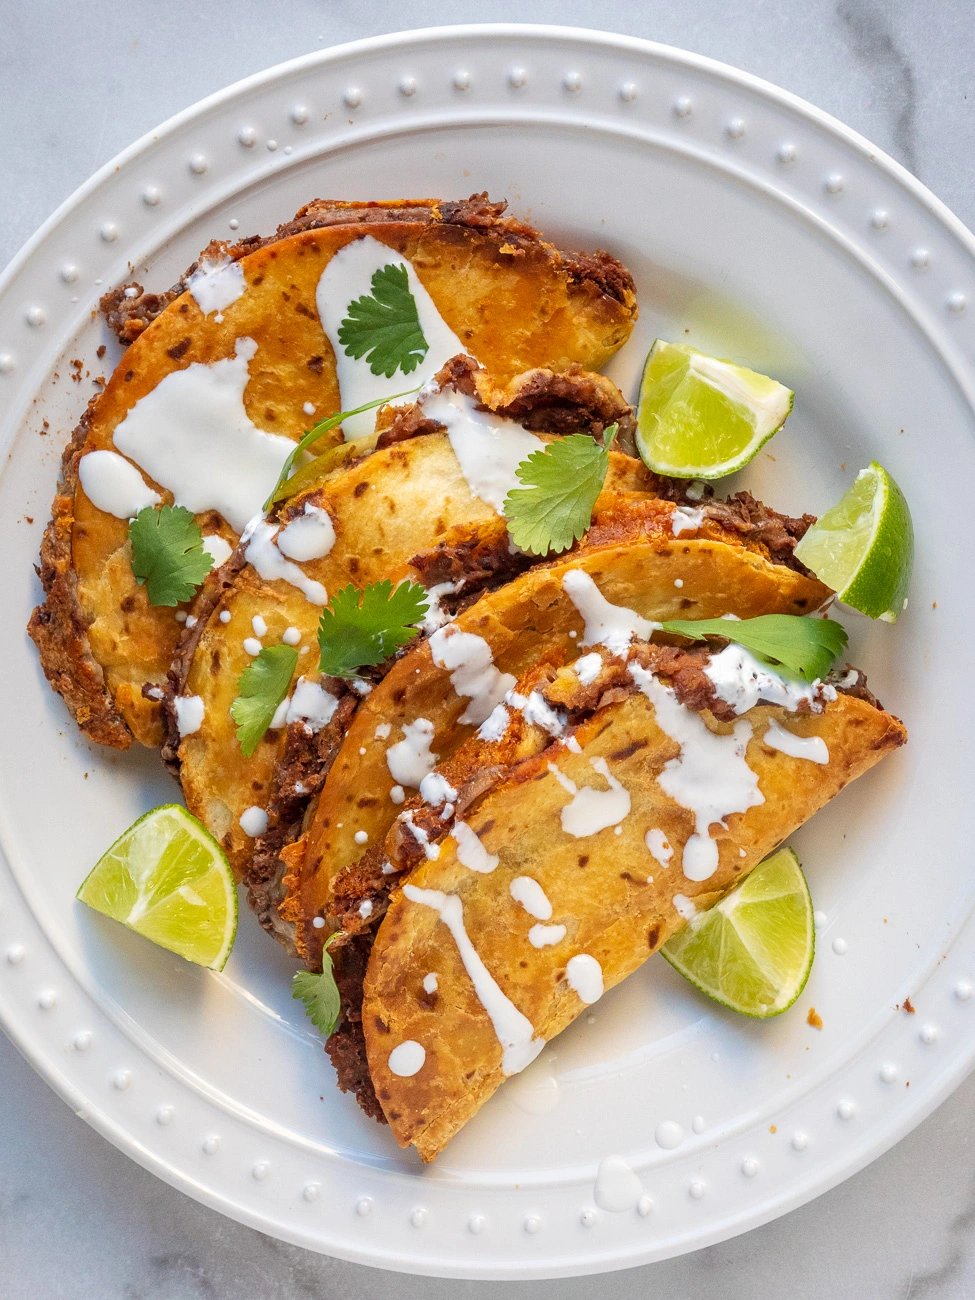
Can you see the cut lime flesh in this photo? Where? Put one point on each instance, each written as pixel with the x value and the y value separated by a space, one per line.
pixel 753 951
pixel 863 547
pixel 168 879
pixel 703 417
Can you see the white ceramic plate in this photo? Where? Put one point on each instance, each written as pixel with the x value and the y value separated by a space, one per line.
pixel 758 229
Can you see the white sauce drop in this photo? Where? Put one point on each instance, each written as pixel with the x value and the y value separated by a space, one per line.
pixel 407 1059
pixel 668 1134
pixel 430 983
pixel 280 718
pixel 471 853
pixel 496 724
pixel 312 705
pixel 591 810
pixel 218 549
pixel 488 448
pixel 225 616
pixel 435 616
pixel 189 714
pixel 308 537
pixel 741 680
pixel 365 909
pixel 540 936
pixel 617 1188
pixel 114 485
pixel 813 748
pixel 532 897
pixel 537 712
pixel 291 636
pixel 514 1031
pixel 585 976
pixel 473 674
pixel 263 554
pixel 436 789
pixel 259 626
pixel 684 907
pixel 410 759
pixel 709 777
pixel 431 851
pixel 348 276
pixel 253 821
pixel 685 519
pixel 252 646
pixel 397 794
pixel 660 847
pixel 588 668
pixel 192 435
pixel 216 284
pixel 613 626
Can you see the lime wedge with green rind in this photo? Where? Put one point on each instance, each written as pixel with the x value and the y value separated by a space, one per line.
pixel 704 417
pixel 864 546
pixel 754 950
pixel 168 879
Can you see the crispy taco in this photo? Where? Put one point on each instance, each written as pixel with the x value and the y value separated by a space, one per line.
pixel 644 558
pixel 228 368
pixel 559 849
pixel 399 506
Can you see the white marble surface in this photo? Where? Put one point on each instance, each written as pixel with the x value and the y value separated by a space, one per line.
pixel 77 84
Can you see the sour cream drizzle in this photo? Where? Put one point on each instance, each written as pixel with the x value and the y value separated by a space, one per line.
pixel 613 626
pixel 514 1031
pixel 262 553
pixel 741 680
pixel 192 435
pixel 471 853
pixel 311 704
pixel 591 810
pixel 473 674
pixel 488 448
pixel 216 284
pixel 709 776
pixel 348 276
pixel 309 536
pixel 532 897
pixel 113 484
pixel 410 759
pixel 812 748
pixel 585 976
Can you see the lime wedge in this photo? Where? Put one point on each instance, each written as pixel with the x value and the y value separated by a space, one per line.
pixel 864 546
pixel 167 878
pixel 701 417
pixel 753 951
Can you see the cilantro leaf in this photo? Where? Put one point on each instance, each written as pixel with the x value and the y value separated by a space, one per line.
pixel 384 326
pixel 562 482
pixel 260 689
pixel 320 994
pixel 363 628
pixel 168 554
pixel 285 487
pixel 800 645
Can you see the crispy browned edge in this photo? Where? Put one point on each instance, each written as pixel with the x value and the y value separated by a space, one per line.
pixel 59 627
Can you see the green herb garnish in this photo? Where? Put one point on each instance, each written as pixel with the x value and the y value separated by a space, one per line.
pixel 168 554
pixel 281 490
pixel 384 326
pixel 260 689
pixel 562 482
pixel 805 647
pixel 319 993
pixel 362 628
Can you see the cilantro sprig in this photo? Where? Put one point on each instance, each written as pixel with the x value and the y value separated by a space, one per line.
pixel 562 482
pixel 359 629
pixel 384 326
pixel 319 993
pixel 167 554
pixel 282 488
pixel 260 689
pixel 805 647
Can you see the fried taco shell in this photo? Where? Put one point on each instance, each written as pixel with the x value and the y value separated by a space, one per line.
pixel 635 560
pixel 513 299
pixel 499 995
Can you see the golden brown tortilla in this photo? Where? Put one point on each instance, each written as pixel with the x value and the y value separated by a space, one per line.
pixel 615 900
